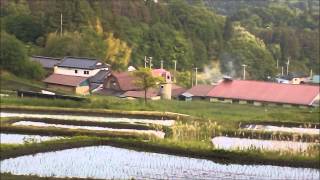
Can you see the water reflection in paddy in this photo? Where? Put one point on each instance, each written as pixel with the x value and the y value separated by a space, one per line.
pixel 159 134
pixel 106 162
pixel 233 143
pixel 22 138
pixel 270 128
pixel 88 118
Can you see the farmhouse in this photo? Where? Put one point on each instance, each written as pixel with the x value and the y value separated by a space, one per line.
pixel 78 75
pixel 293 78
pixel 76 66
pixel 259 92
pixel 72 84
pixel 119 83
pixel 123 85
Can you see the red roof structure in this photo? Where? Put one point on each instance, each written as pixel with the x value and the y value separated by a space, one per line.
pixel 200 90
pixel 126 81
pixel 65 80
pixel 266 92
pixel 162 73
pixel 177 90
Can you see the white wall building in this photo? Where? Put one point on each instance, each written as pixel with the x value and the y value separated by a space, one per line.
pixel 84 67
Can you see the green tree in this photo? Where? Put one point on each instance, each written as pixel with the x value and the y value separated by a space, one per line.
pixel 184 78
pixel 245 48
pixel 227 33
pixel 14 58
pixel 87 43
pixel 145 80
pixel 24 27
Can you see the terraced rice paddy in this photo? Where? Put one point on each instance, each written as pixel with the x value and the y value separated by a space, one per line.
pixel 23 138
pixel 89 118
pixel 159 134
pixel 253 127
pixel 232 143
pixel 107 162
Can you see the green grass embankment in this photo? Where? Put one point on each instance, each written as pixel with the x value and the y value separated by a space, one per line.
pixel 230 113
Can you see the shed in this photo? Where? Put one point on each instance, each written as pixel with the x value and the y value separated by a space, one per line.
pixel 186 96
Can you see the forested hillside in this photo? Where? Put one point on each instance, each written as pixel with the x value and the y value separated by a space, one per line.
pixel 122 32
pixel 289 28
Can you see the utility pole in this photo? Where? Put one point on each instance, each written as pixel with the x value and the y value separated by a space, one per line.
pixel 161 64
pixel 288 66
pixel 281 70
pixel 61 24
pixel 145 61
pixel 244 71
pixel 175 70
pixel 196 75
pixel 311 73
pixel 192 77
pixel 150 62
pixel 277 63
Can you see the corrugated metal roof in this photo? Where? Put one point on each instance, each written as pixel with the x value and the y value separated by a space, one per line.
pixel 81 63
pixel 200 90
pixel 46 62
pixel 266 92
pixel 65 80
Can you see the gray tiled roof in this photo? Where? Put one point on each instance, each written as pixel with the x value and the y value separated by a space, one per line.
pixel 99 77
pixel 46 62
pixel 80 63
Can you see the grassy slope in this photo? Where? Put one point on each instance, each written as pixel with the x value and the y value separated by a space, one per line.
pixel 11 82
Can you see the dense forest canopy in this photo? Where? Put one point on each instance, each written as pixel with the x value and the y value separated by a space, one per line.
pixel 196 33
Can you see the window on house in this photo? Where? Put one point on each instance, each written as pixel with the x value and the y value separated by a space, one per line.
pixel 75 71
pixel 86 72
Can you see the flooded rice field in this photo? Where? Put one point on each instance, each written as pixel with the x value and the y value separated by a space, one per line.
pixel 23 138
pixel 232 143
pixel 105 162
pixel 159 134
pixel 314 131
pixel 88 118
